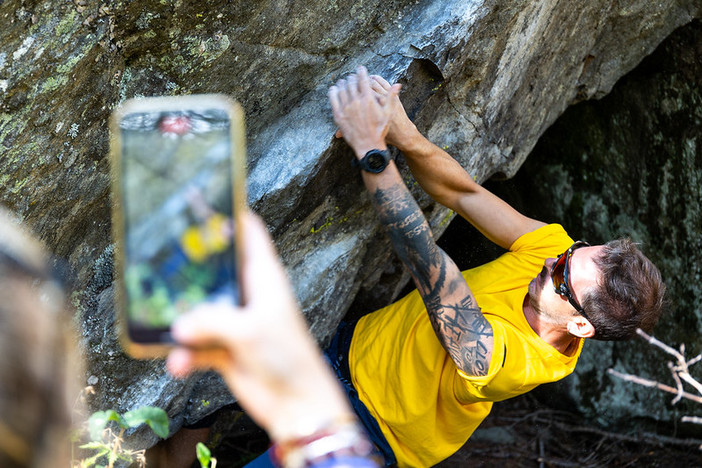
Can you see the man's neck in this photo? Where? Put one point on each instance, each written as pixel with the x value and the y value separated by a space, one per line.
pixel 555 335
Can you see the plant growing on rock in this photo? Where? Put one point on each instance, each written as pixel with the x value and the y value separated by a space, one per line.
pixel 106 444
pixel 204 456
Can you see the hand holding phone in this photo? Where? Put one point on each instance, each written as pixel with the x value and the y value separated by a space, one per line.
pixel 263 349
pixel 178 188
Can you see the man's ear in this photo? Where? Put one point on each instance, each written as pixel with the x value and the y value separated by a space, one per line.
pixel 581 327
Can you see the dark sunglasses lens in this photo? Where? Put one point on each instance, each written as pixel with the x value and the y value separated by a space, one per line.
pixel 558 271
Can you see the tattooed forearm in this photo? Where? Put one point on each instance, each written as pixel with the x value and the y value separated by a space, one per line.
pixel 408 230
pixel 464 333
pixel 460 326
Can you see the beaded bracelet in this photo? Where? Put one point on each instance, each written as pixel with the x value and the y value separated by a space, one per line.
pixel 336 441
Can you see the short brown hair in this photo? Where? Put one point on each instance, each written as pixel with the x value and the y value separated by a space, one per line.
pixel 630 294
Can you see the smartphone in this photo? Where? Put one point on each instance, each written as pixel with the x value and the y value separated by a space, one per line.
pixel 177 166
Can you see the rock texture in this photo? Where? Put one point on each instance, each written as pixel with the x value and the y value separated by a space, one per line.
pixel 483 79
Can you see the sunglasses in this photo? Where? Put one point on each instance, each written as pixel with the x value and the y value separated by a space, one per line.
pixel 560 273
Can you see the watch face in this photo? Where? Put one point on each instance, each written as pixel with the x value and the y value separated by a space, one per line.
pixel 376 162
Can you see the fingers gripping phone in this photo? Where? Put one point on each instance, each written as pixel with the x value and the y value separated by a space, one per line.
pixel 178 190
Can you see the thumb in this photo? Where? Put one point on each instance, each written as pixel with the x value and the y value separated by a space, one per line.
pixel 395 89
pixel 261 267
pixel 211 324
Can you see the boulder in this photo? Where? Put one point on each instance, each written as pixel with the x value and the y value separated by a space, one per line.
pixel 483 79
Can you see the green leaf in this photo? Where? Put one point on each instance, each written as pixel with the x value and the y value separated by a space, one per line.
pixel 94 446
pixel 126 456
pixel 155 418
pixel 203 455
pixel 91 461
pixel 99 420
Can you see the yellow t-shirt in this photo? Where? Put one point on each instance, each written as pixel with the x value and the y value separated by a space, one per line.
pixel 202 241
pixel 424 405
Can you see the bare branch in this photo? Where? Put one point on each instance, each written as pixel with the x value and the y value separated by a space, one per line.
pixel 694 360
pixel 660 344
pixel 680 373
pixel 689 379
pixel 692 419
pixel 652 383
pixel 678 383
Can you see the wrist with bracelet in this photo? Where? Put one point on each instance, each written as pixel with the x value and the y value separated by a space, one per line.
pixel 342 440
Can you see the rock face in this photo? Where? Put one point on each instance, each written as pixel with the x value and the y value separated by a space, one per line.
pixel 483 79
pixel 631 165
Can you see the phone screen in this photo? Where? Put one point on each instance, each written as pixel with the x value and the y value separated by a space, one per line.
pixel 178 245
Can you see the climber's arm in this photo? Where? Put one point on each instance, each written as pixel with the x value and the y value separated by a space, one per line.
pixel 460 326
pixel 443 178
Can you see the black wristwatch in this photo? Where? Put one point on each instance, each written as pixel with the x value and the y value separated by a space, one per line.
pixel 374 161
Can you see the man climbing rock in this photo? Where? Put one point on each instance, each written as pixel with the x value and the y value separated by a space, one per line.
pixel 423 373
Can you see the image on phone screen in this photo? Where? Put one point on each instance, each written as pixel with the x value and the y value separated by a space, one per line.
pixel 178 216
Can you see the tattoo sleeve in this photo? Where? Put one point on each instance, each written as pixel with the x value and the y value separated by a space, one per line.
pixel 461 328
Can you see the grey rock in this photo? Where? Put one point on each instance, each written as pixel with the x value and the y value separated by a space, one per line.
pixel 483 79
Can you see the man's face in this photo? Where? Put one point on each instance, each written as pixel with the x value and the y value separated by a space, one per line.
pixel 583 274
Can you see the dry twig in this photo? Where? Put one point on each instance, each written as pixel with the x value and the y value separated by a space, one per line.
pixel 652 383
pixel 680 371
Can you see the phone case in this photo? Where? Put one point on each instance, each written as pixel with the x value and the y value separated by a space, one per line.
pixel 165 264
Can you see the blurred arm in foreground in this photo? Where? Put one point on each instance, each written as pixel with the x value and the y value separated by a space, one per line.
pixel 266 355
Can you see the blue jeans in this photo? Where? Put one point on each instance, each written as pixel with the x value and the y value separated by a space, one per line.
pixel 338 356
